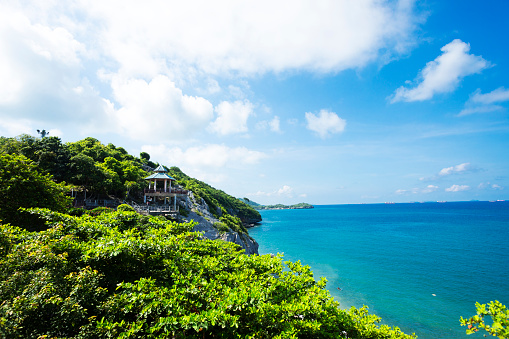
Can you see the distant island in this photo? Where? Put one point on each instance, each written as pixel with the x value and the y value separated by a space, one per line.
pixel 257 206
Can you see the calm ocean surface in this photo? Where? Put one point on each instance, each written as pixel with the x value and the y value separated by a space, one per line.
pixel 419 266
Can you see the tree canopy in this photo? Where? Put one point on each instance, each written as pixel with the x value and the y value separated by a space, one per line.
pixel 22 186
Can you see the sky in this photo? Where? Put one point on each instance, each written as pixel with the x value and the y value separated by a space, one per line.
pixel 325 102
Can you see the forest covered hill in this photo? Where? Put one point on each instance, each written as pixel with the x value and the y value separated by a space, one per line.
pixel 93 170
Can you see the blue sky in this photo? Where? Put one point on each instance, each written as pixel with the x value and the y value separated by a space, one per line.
pixel 282 102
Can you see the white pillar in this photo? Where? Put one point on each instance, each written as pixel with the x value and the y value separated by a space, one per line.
pixel 165 183
pixel 175 203
pixel 155 184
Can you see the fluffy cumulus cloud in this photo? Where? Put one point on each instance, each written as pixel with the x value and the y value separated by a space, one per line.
pixel 457 188
pixel 158 110
pixel 485 103
pixel 443 74
pixel 325 123
pixel 455 169
pixel 232 117
pixel 122 66
pixel 205 157
pixel 254 36
pixel 452 170
pixel 41 84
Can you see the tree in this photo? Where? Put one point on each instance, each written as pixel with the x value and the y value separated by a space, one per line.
pixel 84 172
pixel 499 315
pixel 49 153
pixel 145 156
pixel 21 185
pixel 43 133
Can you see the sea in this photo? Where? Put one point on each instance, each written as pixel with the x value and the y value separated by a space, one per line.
pixel 419 266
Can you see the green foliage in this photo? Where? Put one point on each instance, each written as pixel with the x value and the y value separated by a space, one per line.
pixel 499 315
pixel 217 200
pixel 22 186
pixel 77 212
pixel 183 212
pixel 221 227
pixel 100 210
pixel 122 275
pixel 232 222
pixel 50 155
pixel 125 208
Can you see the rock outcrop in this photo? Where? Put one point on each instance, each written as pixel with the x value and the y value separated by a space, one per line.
pixel 199 212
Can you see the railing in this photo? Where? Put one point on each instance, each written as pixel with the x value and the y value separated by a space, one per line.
pixel 167 190
pixel 96 203
pixel 155 209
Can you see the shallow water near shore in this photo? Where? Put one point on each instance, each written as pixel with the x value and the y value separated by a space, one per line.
pixel 419 266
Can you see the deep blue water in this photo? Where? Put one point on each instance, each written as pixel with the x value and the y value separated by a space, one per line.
pixel 419 266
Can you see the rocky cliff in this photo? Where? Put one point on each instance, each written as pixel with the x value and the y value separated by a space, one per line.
pixel 199 212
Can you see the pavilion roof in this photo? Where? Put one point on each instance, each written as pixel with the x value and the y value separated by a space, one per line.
pixel 159 176
pixel 160 169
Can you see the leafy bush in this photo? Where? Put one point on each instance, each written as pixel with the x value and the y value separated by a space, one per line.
pixel 499 315
pixel 76 212
pixel 222 228
pixel 123 275
pixel 100 210
pixel 125 208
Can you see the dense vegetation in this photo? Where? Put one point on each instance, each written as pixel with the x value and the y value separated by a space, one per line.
pixel 21 185
pixel 106 171
pixel 122 275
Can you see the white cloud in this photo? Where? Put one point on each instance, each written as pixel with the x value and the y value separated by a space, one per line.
pixel 443 74
pixel 488 185
pixel 232 117
pixel 455 169
pixel 254 36
pixel 457 188
pixel 205 157
pixel 55 55
pixel 485 103
pixel 325 123
pixel 458 169
pixel 157 110
pixel 285 191
pixel 272 125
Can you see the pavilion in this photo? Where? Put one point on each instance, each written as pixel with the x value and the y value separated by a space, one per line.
pixel 160 188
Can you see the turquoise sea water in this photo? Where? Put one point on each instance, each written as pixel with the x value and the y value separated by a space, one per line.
pixel 419 266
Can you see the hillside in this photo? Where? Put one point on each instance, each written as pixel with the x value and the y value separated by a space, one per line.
pixel 95 171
